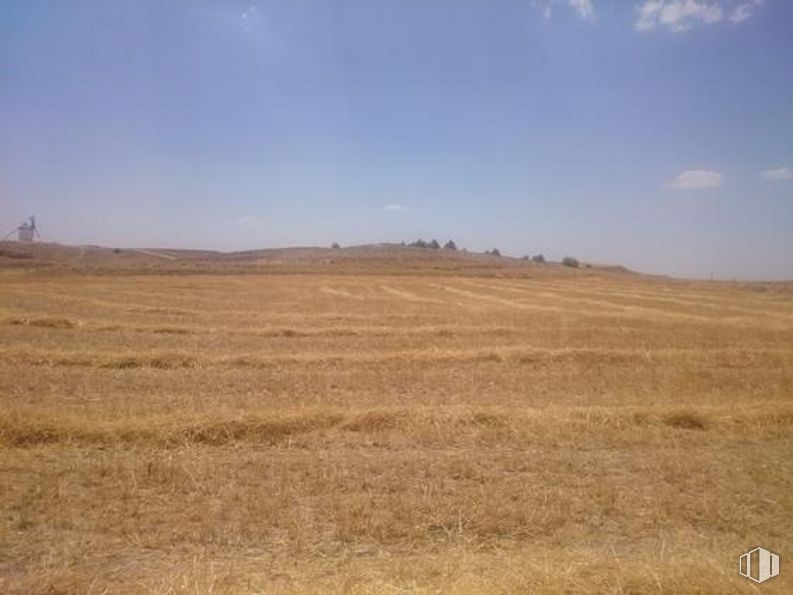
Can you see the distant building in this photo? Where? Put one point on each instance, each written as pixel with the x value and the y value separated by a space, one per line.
pixel 26 232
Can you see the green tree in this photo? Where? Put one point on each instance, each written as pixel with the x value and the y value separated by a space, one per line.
pixel 569 261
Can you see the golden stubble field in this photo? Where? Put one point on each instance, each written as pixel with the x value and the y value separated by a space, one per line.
pixel 244 433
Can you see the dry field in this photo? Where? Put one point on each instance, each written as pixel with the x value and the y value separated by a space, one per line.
pixel 391 433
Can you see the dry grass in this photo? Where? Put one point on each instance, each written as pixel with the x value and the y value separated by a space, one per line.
pixel 389 433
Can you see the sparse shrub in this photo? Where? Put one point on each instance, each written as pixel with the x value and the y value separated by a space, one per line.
pixel 374 421
pixel 686 420
pixel 159 362
pixel 45 322
pixel 450 245
pixel 569 261
pixel 538 258
pixel 171 330
pixel 487 419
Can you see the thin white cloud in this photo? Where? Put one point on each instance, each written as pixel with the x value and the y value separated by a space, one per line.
pixel 677 15
pixel 249 221
pixel 744 11
pixel 778 173
pixel 250 19
pixel 682 15
pixel 585 9
pixel 395 207
pixel 647 15
pixel 696 178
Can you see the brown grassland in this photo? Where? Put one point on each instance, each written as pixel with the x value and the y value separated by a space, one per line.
pixel 432 427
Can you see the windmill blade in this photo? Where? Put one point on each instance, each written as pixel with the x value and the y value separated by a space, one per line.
pixel 33 227
pixel 10 233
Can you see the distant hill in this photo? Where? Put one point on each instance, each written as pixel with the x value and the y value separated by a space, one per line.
pixel 376 258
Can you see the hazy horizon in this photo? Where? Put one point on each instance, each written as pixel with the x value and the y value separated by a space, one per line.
pixel 657 135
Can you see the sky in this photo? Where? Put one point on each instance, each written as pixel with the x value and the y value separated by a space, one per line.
pixel 657 134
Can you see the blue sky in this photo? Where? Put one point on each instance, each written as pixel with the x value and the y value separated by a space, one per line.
pixel 657 134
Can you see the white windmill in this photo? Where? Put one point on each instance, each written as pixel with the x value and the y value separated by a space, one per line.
pixel 26 232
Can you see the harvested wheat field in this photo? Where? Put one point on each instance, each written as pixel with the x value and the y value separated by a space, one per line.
pixel 500 430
